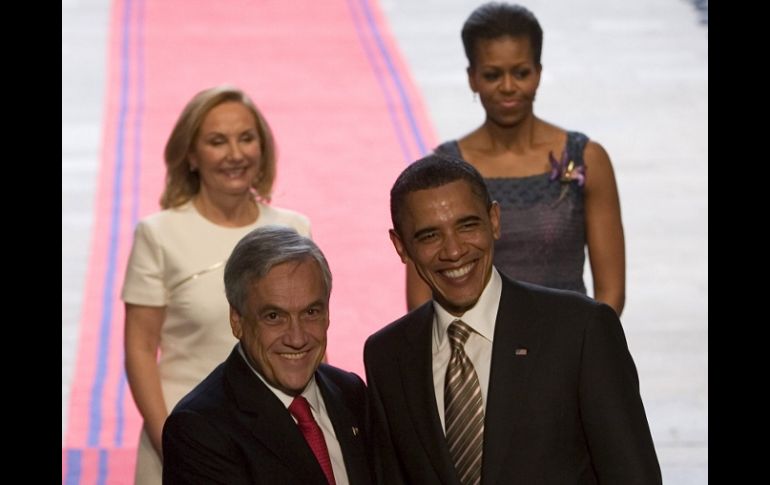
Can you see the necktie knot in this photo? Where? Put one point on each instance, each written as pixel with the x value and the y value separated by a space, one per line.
pixel 300 409
pixel 458 333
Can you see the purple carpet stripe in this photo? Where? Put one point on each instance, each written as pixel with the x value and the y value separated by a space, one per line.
pixel 135 187
pixel 95 414
pixel 120 414
pixel 73 467
pixel 102 471
pixel 389 102
pixel 394 74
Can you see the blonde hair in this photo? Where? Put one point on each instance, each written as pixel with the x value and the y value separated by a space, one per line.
pixel 181 182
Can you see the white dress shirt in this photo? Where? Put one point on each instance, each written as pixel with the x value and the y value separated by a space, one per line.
pixel 481 318
pixel 318 407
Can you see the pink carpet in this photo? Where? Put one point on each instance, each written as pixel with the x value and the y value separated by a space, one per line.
pixel 347 119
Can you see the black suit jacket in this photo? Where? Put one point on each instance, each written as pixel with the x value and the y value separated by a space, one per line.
pixel 232 429
pixel 567 411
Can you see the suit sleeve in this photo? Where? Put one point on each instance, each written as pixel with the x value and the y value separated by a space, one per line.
pixel 613 416
pixel 195 451
pixel 387 470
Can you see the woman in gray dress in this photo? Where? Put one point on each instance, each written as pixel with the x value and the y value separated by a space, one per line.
pixel 556 188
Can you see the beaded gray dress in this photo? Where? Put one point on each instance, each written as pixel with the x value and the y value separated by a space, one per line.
pixel 542 220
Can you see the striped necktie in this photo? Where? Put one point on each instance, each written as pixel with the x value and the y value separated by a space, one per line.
pixel 463 408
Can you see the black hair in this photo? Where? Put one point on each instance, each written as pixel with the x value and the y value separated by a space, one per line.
pixel 433 171
pixel 494 19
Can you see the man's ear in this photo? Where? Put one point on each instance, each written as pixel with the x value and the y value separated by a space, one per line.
pixel 399 245
pixel 236 323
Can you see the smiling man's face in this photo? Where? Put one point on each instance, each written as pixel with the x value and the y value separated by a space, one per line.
pixel 284 333
pixel 449 235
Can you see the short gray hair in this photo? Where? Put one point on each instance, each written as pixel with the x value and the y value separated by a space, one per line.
pixel 258 252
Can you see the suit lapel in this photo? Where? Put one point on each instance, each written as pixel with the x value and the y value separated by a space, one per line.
pixel 270 422
pixel 515 329
pixel 343 421
pixel 416 369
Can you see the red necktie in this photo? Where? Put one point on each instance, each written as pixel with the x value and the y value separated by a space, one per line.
pixel 300 409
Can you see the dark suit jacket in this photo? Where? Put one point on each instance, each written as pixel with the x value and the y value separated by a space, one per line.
pixel 567 412
pixel 232 429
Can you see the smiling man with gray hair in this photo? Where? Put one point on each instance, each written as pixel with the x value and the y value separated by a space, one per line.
pixel 272 412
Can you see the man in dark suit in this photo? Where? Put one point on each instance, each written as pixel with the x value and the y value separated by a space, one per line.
pixel 496 381
pixel 272 412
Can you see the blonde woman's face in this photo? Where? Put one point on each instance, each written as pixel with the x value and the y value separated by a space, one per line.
pixel 227 151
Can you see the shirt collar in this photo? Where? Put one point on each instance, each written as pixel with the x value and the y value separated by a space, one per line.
pixel 310 392
pixel 481 318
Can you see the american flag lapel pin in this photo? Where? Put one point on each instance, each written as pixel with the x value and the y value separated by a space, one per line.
pixel 520 351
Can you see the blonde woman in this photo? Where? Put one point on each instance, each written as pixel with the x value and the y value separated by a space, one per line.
pixel 221 164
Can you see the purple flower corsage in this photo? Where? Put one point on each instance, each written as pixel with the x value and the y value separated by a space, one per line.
pixel 565 171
